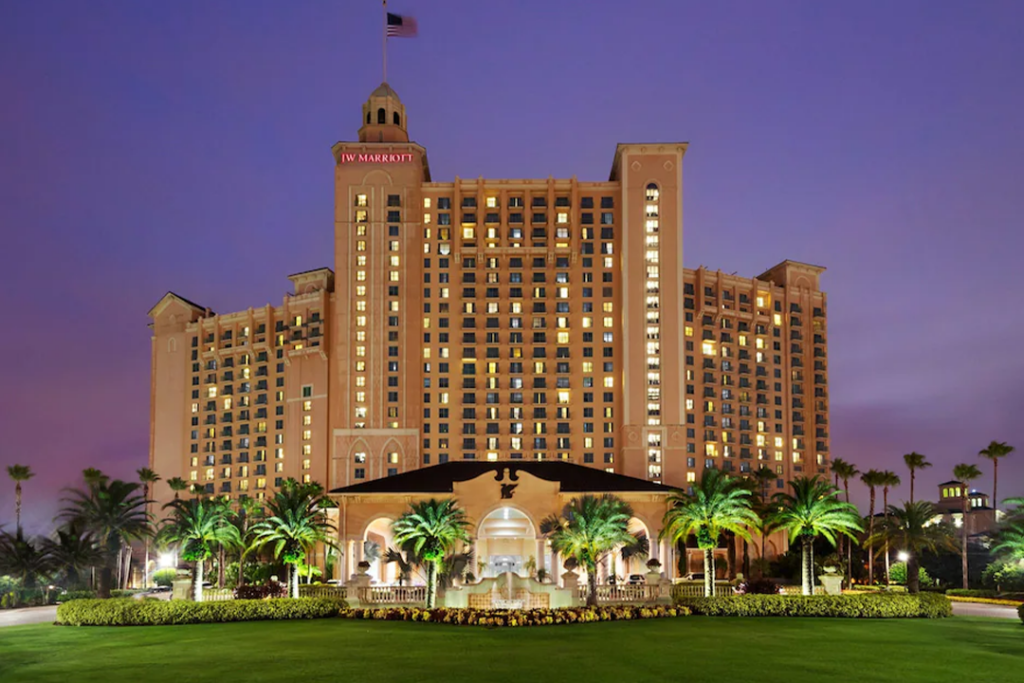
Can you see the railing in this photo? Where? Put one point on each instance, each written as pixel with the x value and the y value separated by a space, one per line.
pixel 218 594
pixel 339 592
pixel 625 593
pixel 393 595
pixel 695 589
pixel 797 590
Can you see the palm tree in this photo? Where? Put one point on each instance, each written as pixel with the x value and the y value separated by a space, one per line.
pixel 115 513
pixel 995 451
pixel 964 473
pixel 909 528
pixel 846 471
pixel 764 477
pixel 18 474
pixel 244 519
pixel 718 504
pixel 147 477
pixel 24 559
pixel 872 479
pixel 914 462
pixel 430 530
pixel 405 563
pixel 73 551
pixel 296 521
pixel 93 476
pixel 197 525
pixel 889 478
pixel 1009 541
pixel 177 484
pixel 812 510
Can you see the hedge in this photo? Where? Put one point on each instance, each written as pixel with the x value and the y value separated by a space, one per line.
pixel 848 606
pixel 975 593
pixel 527 617
pixel 130 612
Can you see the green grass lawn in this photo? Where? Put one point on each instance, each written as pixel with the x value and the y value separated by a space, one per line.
pixel 689 649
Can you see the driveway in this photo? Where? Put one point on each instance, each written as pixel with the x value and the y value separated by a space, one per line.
pixel 28 615
pixel 977 609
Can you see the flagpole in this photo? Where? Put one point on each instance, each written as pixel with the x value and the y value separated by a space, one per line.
pixel 385 41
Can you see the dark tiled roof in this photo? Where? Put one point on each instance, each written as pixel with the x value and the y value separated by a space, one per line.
pixel 440 478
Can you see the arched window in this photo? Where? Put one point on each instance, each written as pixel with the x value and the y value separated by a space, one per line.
pixel 397 119
pixel 382 116
pixel 367 117
pixel 652 192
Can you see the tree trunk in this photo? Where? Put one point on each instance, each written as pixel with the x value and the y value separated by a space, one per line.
pixel 106 577
pixel 963 526
pixel 807 575
pixel 709 572
pixel 197 582
pixel 431 584
pixel 871 532
pixel 145 567
pixel 293 581
pixel 17 505
pixel 220 566
pixel 885 507
pixel 241 570
pixel 591 586
pixel 911 485
pixel 995 488
pixel 913 575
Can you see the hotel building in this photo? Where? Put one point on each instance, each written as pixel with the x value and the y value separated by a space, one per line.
pixel 495 320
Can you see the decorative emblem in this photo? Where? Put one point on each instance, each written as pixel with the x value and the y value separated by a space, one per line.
pixel 507 490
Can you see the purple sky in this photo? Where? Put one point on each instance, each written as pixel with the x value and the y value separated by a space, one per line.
pixel 186 146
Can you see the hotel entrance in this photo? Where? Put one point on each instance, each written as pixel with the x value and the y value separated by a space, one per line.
pixel 506 542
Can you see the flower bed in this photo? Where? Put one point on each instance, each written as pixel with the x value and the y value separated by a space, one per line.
pixel 986 601
pixel 130 612
pixel 529 617
pixel 877 606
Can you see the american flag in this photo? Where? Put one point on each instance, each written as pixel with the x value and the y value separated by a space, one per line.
pixel 401 27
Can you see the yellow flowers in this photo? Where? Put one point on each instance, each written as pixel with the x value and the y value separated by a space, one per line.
pixel 529 617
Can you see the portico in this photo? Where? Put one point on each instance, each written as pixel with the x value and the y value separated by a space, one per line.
pixel 506 502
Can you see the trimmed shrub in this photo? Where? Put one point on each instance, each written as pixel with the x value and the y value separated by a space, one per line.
pixel 898 574
pixel 528 617
pixel 924 605
pixel 164 577
pixel 758 587
pixel 128 612
pixel 76 595
pixel 271 589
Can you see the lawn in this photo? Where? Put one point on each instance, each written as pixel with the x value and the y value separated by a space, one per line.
pixel 688 649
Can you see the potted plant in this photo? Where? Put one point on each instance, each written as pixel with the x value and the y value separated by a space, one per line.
pixel 653 570
pixel 363 567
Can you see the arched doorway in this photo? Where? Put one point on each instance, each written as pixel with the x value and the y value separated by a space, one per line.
pixel 376 540
pixel 506 542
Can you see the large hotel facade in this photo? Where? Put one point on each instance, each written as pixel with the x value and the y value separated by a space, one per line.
pixel 495 320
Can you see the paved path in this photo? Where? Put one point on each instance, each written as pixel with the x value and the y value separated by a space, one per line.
pixel 28 615
pixel 977 609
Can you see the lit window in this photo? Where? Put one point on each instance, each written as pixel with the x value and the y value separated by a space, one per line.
pixel 307 434
pixel 426 202
pixel 609 382
pixel 360 200
pixel 307 405
pixel 708 347
pixel 691 476
pixel 492 202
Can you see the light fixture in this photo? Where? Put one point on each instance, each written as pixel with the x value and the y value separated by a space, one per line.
pixel 903 556
pixel 167 561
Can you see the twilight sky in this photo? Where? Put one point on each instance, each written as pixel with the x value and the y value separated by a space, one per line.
pixel 186 145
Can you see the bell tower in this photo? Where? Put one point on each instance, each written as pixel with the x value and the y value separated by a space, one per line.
pixel 383 117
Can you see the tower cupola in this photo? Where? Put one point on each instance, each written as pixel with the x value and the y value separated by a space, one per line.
pixel 383 117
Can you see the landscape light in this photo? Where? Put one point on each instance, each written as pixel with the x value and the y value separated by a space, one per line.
pixel 166 560
pixel 903 556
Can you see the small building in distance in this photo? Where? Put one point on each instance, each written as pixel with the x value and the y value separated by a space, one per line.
pixel 981 517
